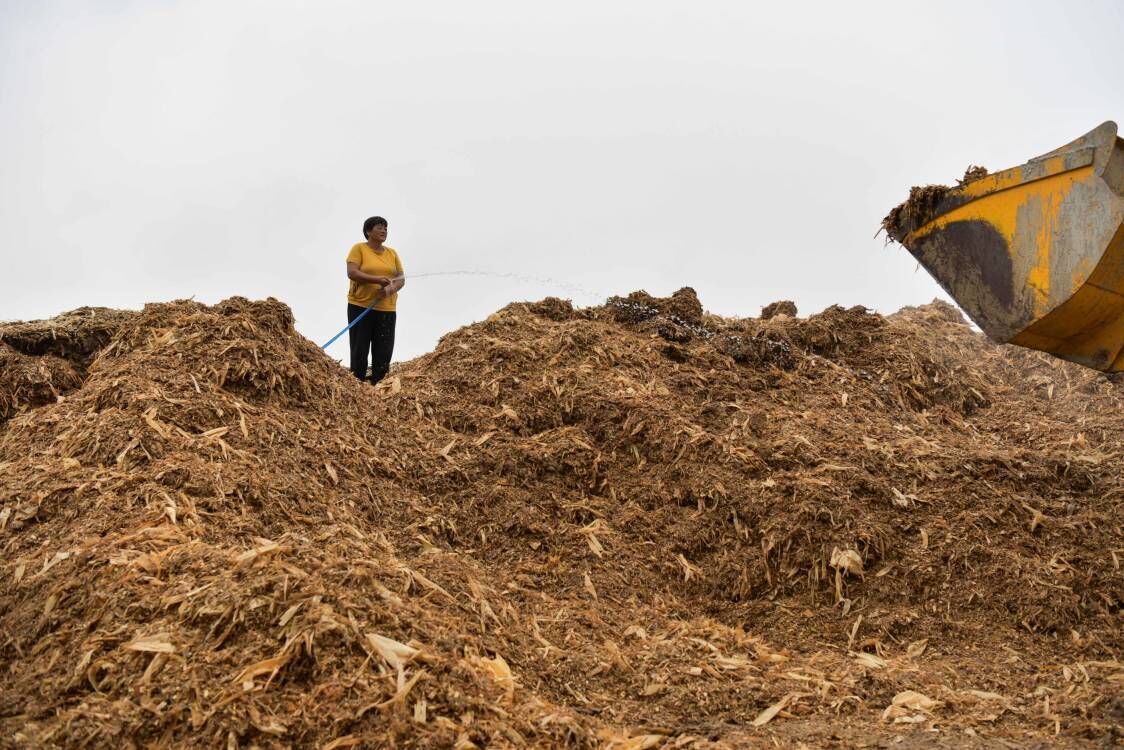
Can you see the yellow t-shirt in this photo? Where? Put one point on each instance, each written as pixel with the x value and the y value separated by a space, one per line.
pixel 383 263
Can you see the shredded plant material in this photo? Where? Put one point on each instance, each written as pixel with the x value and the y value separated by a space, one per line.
pixel 917 211
pixel 923 205
pixel 972 174
pixel 631 526
pixel 781 307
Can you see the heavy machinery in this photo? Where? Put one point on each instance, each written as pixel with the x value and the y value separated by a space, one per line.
pixel 1033 254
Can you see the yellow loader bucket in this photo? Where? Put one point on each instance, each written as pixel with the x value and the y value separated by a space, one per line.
pixel 1033 254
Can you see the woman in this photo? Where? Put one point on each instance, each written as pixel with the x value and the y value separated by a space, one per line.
pixel 376 277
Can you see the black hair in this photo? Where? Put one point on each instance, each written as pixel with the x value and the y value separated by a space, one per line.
pixel 369 224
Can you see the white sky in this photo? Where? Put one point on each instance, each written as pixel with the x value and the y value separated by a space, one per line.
pixel 160 150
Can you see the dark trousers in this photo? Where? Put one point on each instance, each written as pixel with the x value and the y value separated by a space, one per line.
pixel 372 337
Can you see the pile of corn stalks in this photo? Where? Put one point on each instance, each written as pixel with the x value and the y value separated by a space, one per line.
pixel 632 526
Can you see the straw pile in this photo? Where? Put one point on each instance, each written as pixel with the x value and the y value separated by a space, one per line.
pixel 632 526
pixel 44 359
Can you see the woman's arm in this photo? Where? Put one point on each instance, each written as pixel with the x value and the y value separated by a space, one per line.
pixel 355 274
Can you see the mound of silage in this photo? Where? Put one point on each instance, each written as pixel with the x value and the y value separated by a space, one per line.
pixel 44 359
pixel 76 336
pixel 629 526
pixel 27 382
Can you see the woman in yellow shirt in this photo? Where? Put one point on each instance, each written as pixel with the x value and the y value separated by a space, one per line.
pixel 376 277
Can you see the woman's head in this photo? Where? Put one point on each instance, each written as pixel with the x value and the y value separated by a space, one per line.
pixel 375 224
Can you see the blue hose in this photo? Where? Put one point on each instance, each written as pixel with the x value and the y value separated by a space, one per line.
pixel 517 277
pixel 347 328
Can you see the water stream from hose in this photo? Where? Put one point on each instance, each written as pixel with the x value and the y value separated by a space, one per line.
pixel 572 288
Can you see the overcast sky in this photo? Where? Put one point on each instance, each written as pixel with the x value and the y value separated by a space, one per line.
pixel 160 150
